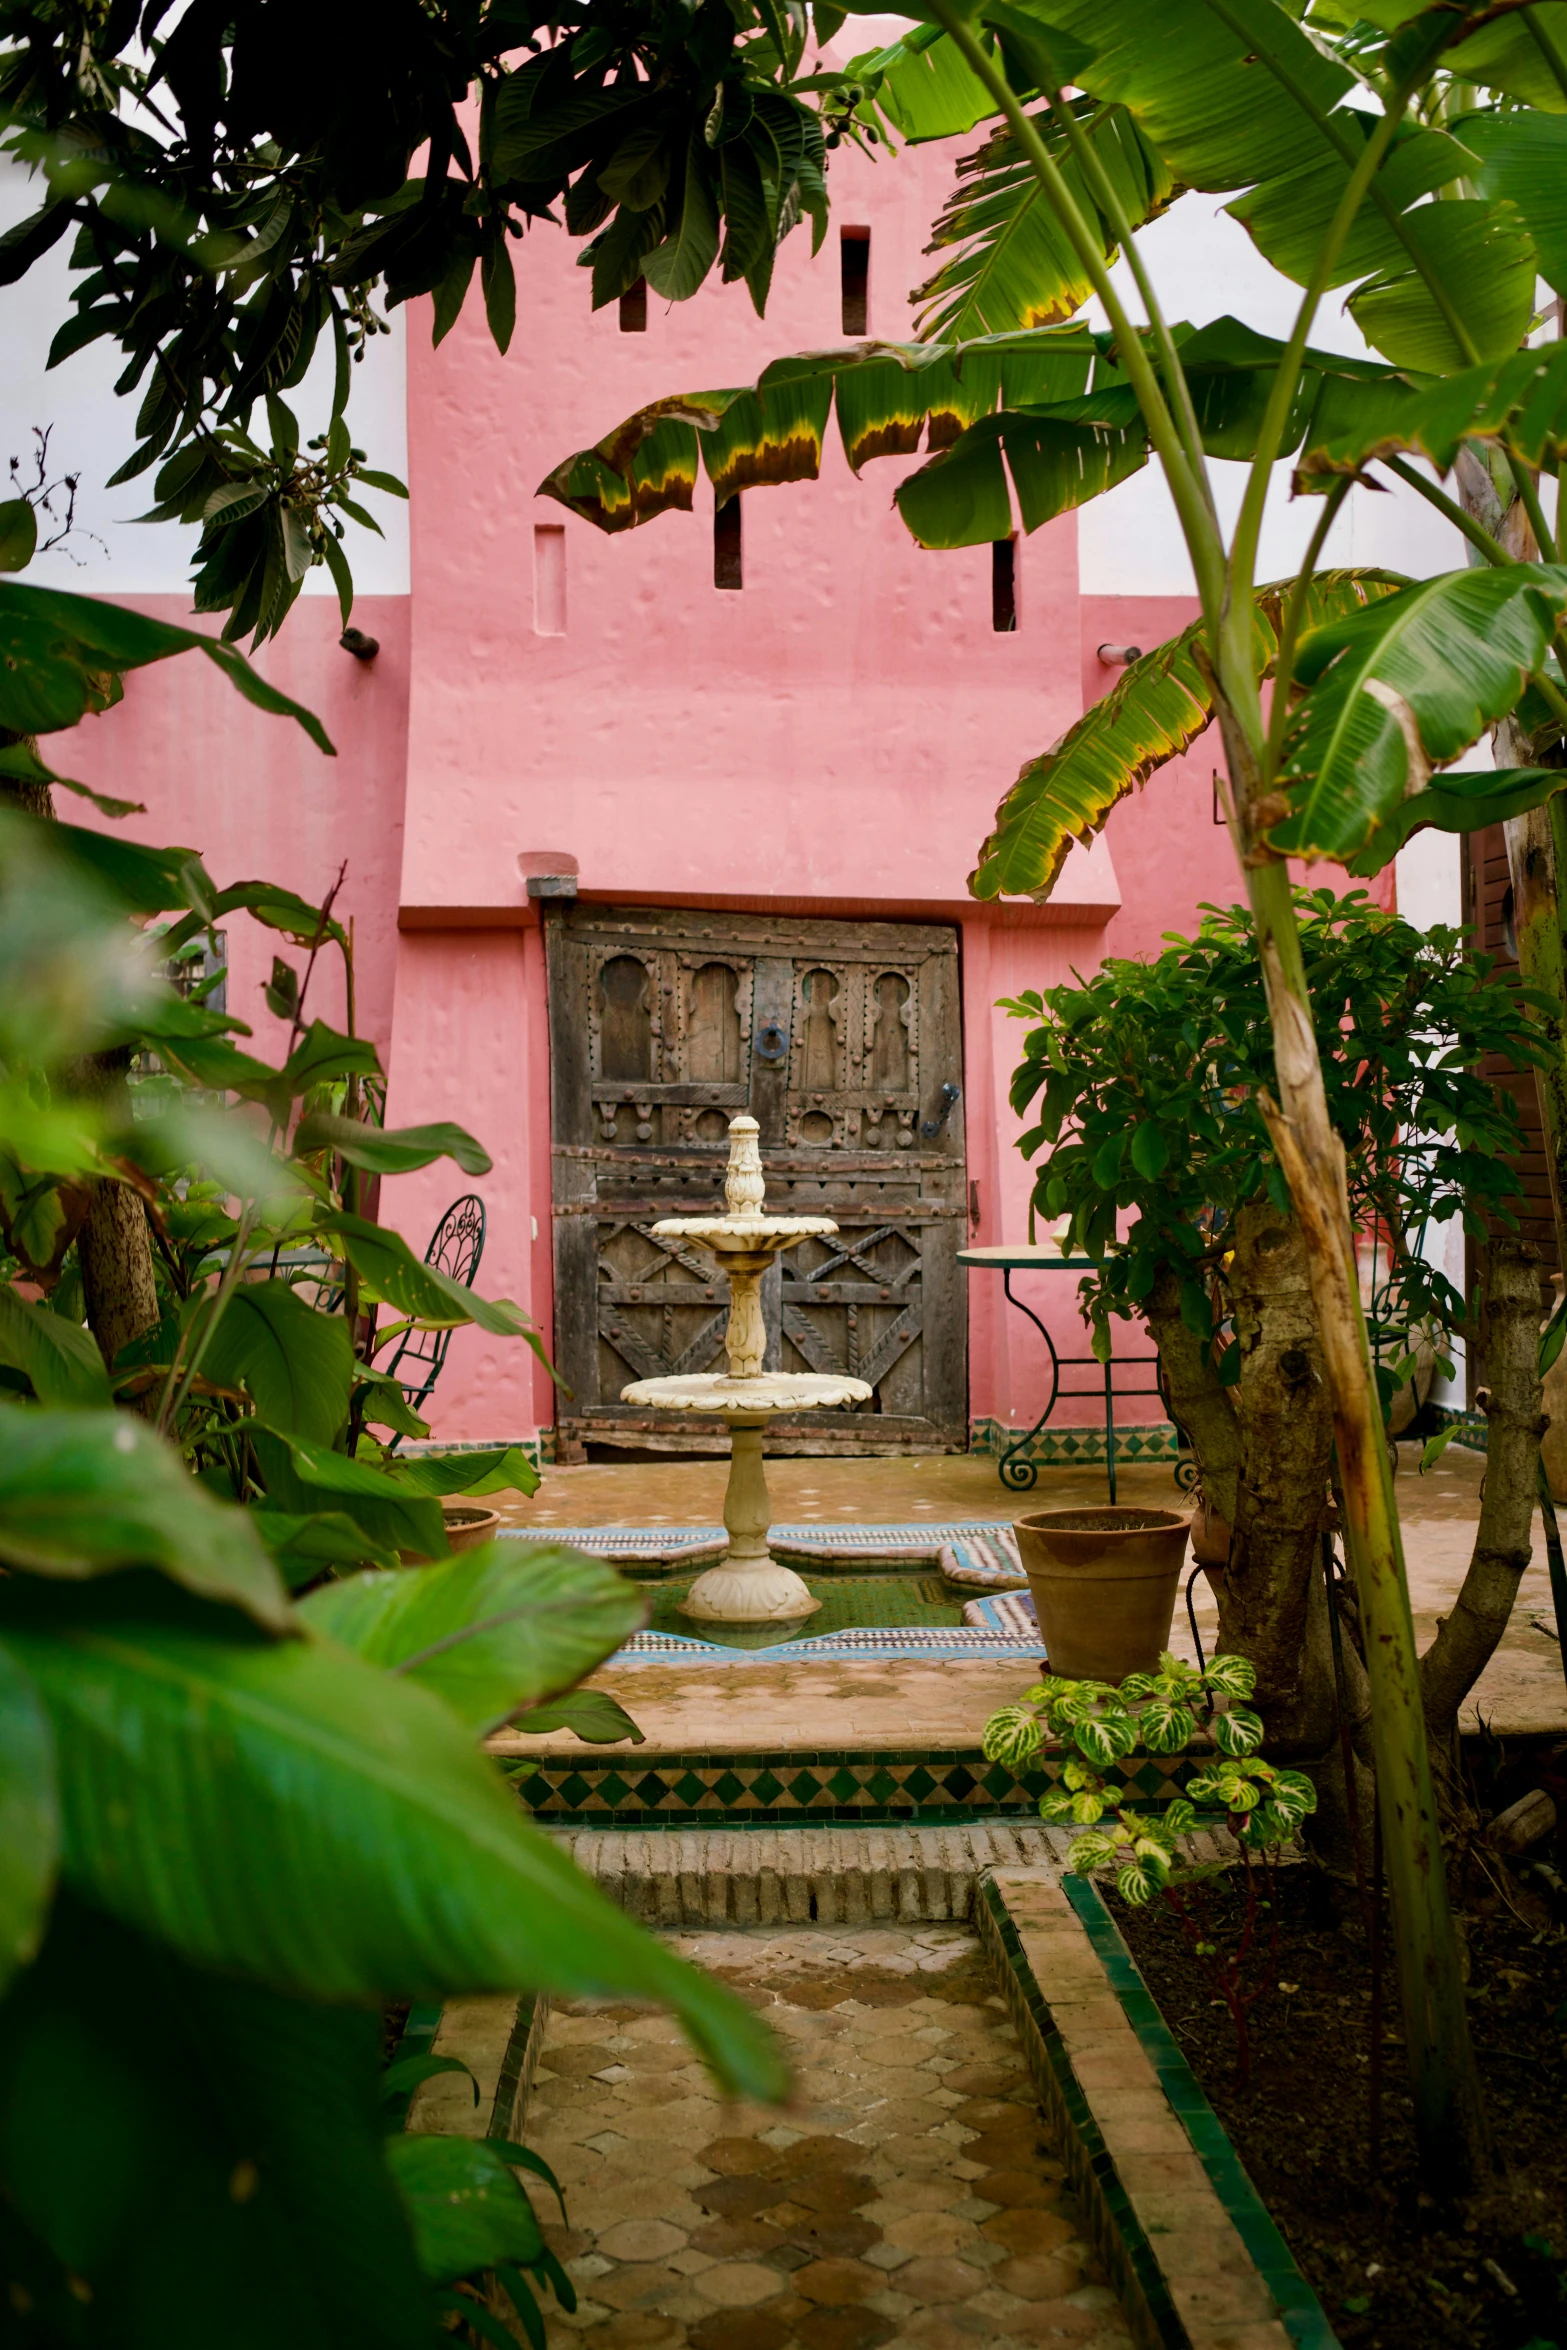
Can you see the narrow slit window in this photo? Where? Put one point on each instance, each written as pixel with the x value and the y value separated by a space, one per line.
pixel 727 567
pixel 854 265
pixel 549 579
pixel 633 309
pixel 1003 585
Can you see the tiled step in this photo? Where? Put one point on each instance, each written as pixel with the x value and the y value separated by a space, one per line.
pixel 827 1876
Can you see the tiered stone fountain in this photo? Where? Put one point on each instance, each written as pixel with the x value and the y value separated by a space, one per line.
pixel 748 1585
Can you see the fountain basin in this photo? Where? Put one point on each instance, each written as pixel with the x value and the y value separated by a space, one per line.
pixel 748 1586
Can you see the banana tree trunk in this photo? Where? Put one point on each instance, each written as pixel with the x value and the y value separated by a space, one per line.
pixel 1449 2112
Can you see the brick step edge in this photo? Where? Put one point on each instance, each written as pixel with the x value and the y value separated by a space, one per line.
pixel 830 1876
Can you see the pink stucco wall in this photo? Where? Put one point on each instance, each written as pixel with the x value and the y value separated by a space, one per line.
pixel 831 740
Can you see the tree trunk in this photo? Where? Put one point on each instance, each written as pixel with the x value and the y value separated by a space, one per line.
pixel 114 1246
pixel 1467 1639
pixel 1204 1409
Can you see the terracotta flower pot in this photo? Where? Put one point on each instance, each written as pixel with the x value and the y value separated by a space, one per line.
pixel 1104 1583
pixel 469 1523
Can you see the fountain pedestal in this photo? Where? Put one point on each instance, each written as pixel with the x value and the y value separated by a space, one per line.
pixel 748 1586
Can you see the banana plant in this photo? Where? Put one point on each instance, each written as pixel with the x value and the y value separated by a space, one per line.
pixel 1329 165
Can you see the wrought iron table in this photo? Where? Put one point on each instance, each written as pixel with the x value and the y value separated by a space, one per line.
pixel 1017 1473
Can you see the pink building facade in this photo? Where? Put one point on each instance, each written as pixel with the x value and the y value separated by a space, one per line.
pixel 828 741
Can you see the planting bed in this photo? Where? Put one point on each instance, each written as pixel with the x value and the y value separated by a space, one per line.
pixel 1392 2274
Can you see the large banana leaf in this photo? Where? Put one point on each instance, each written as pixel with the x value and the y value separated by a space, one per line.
pixel 1458 803
pixel 279 1810
pixel 1067 426
pixel 1238 98
pixel 1523 161
pixel 889 396
pixel 922 85
pixel 1520 401
pixel 1156 710
pixel 1403 688
pixel 160 2123
pixel 490 1631
pixel 1013 265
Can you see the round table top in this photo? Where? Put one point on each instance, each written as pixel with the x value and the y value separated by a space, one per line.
pixel 1035 1256
pixel 771 1391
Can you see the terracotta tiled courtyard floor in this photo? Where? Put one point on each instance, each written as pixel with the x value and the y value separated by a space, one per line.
pixel 909 2195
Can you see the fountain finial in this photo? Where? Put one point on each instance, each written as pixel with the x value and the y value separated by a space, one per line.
pixel 744 1183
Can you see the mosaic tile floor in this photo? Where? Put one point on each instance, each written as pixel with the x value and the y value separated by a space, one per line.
pixel 908 2197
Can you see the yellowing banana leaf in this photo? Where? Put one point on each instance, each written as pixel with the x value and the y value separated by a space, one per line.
pixel 1067 426
pixel 1010 263
pixel 772 431
pixel 1159 707
pixel 1403 688
pixel 1520 401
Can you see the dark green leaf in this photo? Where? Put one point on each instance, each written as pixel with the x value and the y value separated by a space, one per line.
pixel 303 1543
pixel 29 1819
pixel 283 1811
pixel 590 1714
pixel 296 1363
pixel 237 2155
pixel 490 1631
pixel 390 1271
pixel 61 656
pixel 18 534
pixel 465 2205
pixel 304 1478
pixel 389 1150
pixel 85 1494
pixel 488 1469
pixel 59 1357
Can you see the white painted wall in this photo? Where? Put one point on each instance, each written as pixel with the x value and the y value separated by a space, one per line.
pixel 1204 266
pixel 93 434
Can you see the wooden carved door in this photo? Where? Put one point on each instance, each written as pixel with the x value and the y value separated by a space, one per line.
pixel 843 1040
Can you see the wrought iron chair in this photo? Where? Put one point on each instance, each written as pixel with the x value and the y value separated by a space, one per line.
pixel 456 1245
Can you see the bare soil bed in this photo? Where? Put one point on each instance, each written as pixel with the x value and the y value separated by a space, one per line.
pixel 1392 2271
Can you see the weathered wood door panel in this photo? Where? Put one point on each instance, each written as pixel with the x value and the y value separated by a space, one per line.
pixel 838 1037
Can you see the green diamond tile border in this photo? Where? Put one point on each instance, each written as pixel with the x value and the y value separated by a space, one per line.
pixel 942 1785
pixel 1071 1447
